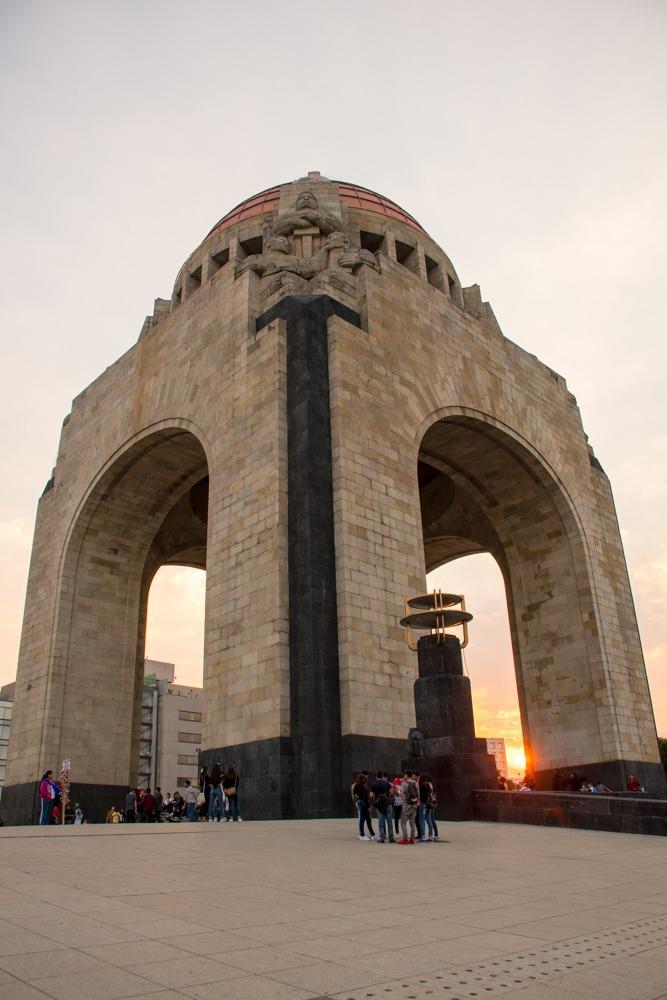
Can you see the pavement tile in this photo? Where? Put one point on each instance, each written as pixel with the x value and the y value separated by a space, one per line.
pixel 160 928
pixel 26 942
pixel 111 984
pixel 20 991
pixel 190 970
pixel 332 949
pixel 136 952
pixel 266 959
pixel 328 977
pixel 213 943
pixel 252 988
pixel 32 968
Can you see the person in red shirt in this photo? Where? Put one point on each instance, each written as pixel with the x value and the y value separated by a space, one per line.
pixel 634 785
pixel 148 806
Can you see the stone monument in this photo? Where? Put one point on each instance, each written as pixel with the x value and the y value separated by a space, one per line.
pixel 319 415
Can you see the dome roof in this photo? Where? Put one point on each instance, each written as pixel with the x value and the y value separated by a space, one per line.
pixel 352 195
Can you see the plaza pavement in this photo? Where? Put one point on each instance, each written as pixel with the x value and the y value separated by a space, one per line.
pixel 282 911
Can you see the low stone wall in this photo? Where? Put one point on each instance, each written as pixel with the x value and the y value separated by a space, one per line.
pixel 580 810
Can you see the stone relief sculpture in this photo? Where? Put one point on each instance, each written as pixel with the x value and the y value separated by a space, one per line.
pixel 308 225
pixel 415 743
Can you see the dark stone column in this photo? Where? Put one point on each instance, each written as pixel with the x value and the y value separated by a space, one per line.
pixel 456 761
pixel 316 788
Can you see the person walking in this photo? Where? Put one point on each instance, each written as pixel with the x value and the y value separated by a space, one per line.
pixel 47 795
pixel 410 793
pixel 78 814
pixel 382 795
pixel 159 803
pixel 230 783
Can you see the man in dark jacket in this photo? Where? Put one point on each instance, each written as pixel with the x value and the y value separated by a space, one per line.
pixel 381 792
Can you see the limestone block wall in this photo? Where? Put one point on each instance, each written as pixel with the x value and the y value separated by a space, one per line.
pixel 422 359
pixel 120 469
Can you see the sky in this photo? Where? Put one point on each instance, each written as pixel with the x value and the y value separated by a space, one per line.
pixel 529 138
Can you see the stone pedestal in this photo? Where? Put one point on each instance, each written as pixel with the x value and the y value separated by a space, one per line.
pixel 455 760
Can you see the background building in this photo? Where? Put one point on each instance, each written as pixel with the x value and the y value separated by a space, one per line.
pixel 6 707
pixel 171 733
pixel 497 748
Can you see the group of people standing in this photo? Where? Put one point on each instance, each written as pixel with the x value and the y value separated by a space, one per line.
pixel 215 800
pixel 409 800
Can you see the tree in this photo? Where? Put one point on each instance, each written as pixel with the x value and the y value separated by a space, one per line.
pixel 662 746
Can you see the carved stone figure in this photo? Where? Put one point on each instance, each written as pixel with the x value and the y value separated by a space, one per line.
pixel 415 743
pixel 307 214
pixel 277 257
pixel 334 253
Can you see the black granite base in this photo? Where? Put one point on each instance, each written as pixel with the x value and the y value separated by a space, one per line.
pixel 455 776
pixel 583 810
pixel 20 804
pixel 268 769
pixel 614 774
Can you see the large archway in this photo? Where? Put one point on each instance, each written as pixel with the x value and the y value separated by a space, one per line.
pixel 483 490
pixel 148 509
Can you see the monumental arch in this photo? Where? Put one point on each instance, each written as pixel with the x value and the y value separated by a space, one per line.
pixel 318 416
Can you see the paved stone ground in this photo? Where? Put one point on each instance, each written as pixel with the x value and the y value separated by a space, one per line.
pixel 281 911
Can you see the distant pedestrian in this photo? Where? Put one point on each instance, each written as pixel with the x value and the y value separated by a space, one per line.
pixel 362 802
pixel 190 802
pixel 159 803
pixel 398 801
pixel 216 807
pixel 78 814
pixel 47 795
pixel 230 783
pixel 410 792
pixel 131 806
pixel 148 807
pixel 382 794
pixel 427 802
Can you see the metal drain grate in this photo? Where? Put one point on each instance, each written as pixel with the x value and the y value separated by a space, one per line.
pixel 501 975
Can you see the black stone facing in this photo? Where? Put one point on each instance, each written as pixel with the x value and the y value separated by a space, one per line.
pixel 20 805
pixel 579 810
pixel 316 784
pixel 443 700
pixel 456 762
pixel 368 753
pixel 614 774
pixel 267 770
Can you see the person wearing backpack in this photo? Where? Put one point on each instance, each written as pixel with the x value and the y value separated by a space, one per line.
pixel 410 793
pixel 381 793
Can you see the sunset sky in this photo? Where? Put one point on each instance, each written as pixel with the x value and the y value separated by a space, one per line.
pixel 529 138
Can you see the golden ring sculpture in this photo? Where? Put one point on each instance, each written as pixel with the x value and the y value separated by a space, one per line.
pixel 435 613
